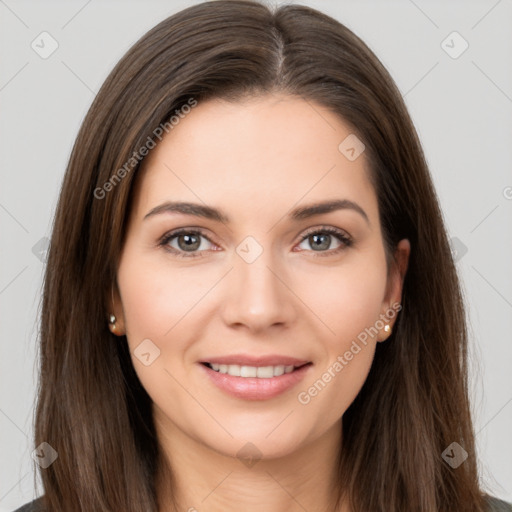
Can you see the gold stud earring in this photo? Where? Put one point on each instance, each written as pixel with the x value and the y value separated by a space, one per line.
pixel 387 329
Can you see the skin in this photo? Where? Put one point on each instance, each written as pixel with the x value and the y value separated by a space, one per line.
pixel 256 160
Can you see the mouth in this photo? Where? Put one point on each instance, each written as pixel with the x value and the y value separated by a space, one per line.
pixel 262 379
pixel 258 372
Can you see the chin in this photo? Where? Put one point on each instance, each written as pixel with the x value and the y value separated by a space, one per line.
pixel 258 440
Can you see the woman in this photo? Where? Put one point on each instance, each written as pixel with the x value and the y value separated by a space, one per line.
pixel 250 301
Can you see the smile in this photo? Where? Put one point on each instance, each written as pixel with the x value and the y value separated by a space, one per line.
pixel 260 372
pixel 255 382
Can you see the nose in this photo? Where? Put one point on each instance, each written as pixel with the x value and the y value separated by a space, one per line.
pixel 258 296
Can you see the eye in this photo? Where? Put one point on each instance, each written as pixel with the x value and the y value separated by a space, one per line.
pixel 320 239
pixel 188 243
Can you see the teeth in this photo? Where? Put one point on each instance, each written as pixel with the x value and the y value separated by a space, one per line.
pixel 261 372
pixel 247 371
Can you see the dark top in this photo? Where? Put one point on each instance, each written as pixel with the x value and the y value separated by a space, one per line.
pixel 494 505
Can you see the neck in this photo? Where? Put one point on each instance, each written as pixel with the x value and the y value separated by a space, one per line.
pixel 206 480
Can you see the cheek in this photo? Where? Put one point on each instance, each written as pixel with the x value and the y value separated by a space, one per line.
pixel 346 299
pixel 155 297
pixel 332 389
pixel 157 302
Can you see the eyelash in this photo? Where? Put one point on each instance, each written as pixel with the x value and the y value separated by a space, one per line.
pixel 340 235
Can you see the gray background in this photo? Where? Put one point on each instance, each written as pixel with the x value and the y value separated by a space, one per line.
pixel 462 108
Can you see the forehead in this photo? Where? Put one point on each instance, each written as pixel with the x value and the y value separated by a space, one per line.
pixel 255 156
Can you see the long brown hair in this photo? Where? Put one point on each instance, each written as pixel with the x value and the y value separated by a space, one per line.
pixel 91 406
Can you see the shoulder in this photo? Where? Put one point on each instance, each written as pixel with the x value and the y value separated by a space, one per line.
pixel 33 506
pixel 496 505
pixel 492 504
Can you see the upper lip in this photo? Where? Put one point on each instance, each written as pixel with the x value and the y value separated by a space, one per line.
pixel 249 360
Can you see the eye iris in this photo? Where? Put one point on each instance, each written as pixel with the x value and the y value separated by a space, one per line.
pixel 191 242
pixel 323 245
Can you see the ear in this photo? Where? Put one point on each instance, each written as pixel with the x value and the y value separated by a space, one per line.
pixel 116 309
pixel 396 275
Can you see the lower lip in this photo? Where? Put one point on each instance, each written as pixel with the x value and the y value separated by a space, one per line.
pixel 253 388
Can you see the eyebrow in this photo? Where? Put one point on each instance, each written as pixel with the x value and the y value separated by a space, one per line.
pixel 299 213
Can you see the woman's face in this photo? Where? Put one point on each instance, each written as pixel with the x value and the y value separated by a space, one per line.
pixel 257 283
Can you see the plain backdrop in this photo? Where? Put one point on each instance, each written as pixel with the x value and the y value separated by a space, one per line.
pixel 460 100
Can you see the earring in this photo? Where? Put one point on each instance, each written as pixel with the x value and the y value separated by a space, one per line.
pixel 112 322
pixel 387 329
